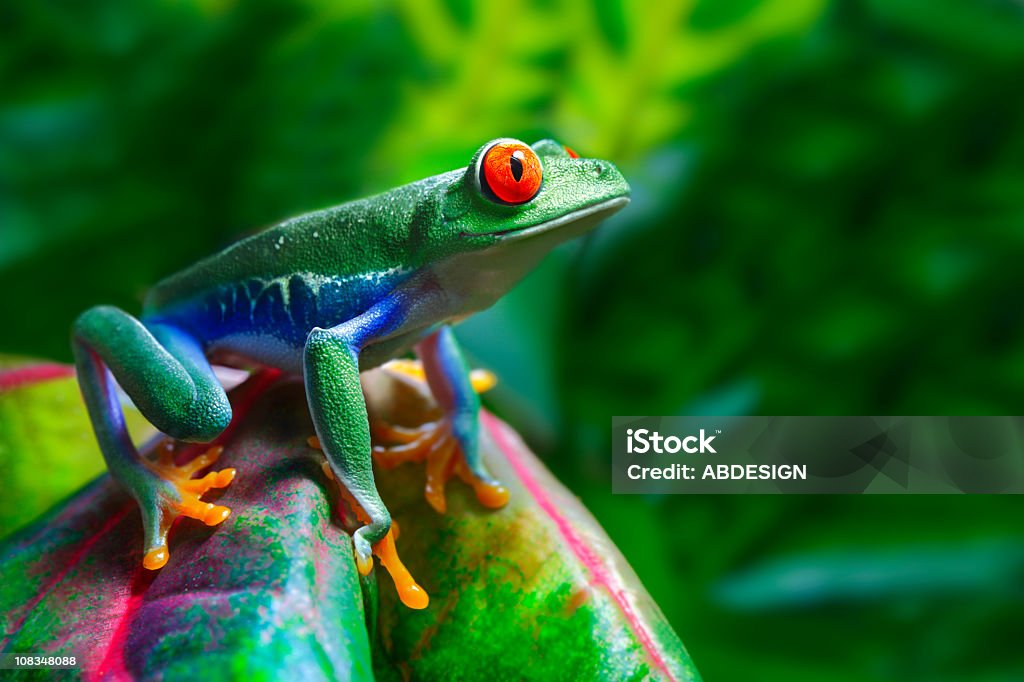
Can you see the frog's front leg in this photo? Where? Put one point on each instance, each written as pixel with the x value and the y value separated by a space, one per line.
pixel 338 408
pixel 450 445
pixel 169 379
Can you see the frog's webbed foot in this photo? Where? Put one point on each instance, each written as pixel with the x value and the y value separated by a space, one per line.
pixel 178 494
pixel 409 591
pixel 436 444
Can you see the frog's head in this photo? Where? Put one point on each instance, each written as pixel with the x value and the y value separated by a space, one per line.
pixel 514 191
pixel 511 205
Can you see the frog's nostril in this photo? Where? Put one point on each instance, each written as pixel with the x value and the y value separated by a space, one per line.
pixel 596 168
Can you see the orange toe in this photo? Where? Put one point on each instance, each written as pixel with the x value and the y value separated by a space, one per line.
pixel 491 495
pixel 409 591
pixel 155 558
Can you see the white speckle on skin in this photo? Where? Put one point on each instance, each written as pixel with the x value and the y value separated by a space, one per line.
pixel 316 235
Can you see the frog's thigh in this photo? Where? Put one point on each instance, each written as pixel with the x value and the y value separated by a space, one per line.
pixel 161 368
pixel 209 412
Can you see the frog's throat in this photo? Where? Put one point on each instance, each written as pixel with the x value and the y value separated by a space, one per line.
pixel 582 220
pixel 476 279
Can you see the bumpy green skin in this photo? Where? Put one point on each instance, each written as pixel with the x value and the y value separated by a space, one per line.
pixel 327 295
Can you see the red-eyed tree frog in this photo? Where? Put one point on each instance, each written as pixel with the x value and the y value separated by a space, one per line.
pixel 326 295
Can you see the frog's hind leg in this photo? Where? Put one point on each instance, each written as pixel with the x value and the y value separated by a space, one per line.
pixel 166 374
pixel 450 445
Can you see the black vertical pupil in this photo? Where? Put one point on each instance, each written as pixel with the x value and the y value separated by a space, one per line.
pixel 517 166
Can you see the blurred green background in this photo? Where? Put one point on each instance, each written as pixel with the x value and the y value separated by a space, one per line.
pixel 828 218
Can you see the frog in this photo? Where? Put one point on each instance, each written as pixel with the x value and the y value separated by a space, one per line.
pixel 325 296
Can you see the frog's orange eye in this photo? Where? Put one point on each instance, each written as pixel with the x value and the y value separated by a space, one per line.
pixel 511 172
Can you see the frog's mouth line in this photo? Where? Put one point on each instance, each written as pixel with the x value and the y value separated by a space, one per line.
pixel 595 212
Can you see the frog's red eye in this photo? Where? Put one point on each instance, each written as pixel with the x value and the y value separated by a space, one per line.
pixel 511 171
pixel 569 150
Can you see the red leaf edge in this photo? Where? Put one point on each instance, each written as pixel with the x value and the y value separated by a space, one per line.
pixel 506 441
pixel 33 374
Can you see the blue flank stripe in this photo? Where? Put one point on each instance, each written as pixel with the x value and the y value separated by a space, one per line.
pixel 254 307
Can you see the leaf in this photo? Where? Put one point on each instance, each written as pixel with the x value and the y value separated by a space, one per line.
pixel 46 445
pixel 272 592
pixel 533 590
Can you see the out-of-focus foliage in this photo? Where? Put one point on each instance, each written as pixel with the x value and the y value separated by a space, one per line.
pixel 135 140
pixel 828 217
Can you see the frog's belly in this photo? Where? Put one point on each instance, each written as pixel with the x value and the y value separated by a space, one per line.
pixel 275 352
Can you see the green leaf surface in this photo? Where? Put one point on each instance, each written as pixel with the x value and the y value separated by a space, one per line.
pixel 535 590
